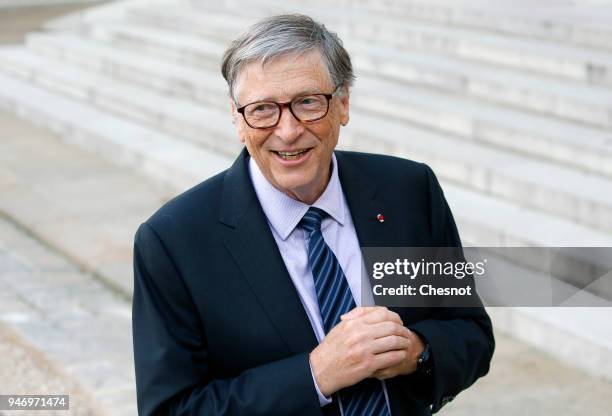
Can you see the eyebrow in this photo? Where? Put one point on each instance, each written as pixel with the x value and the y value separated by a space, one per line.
pixel 299 94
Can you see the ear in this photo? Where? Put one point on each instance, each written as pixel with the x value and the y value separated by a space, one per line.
pixel 344 106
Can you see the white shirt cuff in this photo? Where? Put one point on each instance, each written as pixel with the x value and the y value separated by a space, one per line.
pixel 322 399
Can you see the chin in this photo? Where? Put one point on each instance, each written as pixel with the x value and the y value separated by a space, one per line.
pixel 294 177
pixel 293 182
pixel 292 186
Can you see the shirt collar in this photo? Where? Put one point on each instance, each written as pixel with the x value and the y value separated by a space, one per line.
pixel 284 213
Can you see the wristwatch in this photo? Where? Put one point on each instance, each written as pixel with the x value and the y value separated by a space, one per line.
pixel 425 362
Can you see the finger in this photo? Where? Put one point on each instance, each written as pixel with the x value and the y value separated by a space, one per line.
pixel 380 315
pixel 386 328
pixel 359 311
pixel 390 343
pixel 389 359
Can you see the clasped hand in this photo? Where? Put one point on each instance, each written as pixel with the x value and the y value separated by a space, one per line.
pixel 367 342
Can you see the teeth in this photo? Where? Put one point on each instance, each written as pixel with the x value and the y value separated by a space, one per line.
pixel 291 155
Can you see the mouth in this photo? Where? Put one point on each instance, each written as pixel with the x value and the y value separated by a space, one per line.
pixel 295 155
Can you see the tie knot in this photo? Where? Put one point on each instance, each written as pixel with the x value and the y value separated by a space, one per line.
pixel 311 221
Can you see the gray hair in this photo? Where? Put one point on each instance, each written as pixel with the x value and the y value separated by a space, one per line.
pixel 283 35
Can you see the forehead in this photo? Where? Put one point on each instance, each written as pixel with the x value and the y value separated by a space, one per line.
pixel 283 77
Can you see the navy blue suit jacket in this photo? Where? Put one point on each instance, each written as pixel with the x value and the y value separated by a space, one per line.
pixel 218 326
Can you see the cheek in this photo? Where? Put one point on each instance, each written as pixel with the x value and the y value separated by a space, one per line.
pixel 330 137
pixel 244 135
pixel 254 142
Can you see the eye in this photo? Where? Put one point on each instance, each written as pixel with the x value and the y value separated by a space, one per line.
pixel 263 107
pixel 309 102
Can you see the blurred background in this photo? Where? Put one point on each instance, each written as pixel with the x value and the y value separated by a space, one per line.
pixel 108 109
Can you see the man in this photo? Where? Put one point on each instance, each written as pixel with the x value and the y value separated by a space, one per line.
pixel 247 287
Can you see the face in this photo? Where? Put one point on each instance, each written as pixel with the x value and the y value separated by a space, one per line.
pixel 282 79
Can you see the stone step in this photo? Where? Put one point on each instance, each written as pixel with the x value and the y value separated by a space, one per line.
pixel 81 328
pixel 124 65
pixel 567 99
pixel 198 51
pixel 555 139
pixel 531 55
pixel 580 336
pixel 108 11
pixel 563 99
pixel 125 142
pixel 566 143
pixel 172 115
pixel 578 196
pixel 217 23
pixel 533 183
pixel 555 21
pixel 526 381
pixel 492 222
pixel 26 370
pixel 92 207
pixel 182 165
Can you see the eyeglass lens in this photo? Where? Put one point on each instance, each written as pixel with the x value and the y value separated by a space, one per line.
pixel 307 108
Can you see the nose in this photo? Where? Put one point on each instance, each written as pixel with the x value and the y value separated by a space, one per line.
pixel 288 128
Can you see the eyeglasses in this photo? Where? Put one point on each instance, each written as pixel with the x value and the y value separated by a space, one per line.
pixel 267 114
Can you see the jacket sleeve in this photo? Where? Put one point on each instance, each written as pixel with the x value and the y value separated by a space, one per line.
pixel 173 373
pixel 461 338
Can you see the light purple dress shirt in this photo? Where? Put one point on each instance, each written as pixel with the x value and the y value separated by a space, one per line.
pixel 284 214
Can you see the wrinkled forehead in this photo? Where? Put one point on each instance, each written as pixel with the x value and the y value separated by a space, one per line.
pixel 283 77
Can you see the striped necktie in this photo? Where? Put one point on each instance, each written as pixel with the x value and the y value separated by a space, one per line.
pixel 365 398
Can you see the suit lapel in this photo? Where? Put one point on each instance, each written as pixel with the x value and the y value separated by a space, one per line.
pixel 364 203
pixel 250 242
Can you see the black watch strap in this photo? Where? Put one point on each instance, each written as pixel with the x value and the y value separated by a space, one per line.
pixel 425 362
